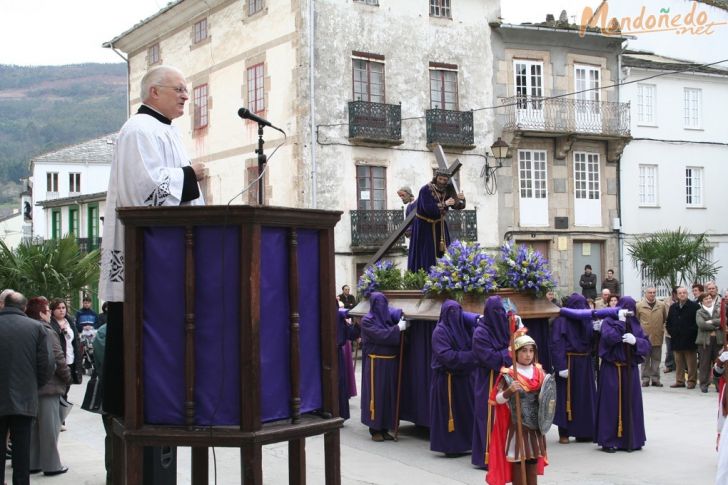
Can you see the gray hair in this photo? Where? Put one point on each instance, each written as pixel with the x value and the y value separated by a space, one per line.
pixel 154 77
pixel 406 190
pixel 4 294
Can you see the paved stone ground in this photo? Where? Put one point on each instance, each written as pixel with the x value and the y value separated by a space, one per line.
pixel 680 450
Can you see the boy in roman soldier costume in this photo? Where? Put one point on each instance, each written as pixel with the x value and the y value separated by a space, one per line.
pixel 517 445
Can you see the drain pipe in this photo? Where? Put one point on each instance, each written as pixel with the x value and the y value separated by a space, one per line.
pixel 110 45
pixel 311 98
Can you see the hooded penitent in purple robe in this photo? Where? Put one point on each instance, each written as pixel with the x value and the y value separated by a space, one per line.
pixel 571 345
pixel 490 346
pixel 344 334
pixel 538 330
pixel 451 392
pixel 380 350
pixel 620 419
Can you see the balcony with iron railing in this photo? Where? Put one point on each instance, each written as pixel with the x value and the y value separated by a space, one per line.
pixel 371 228
pixel 566 116
pixel 88 244
pixel 375 123
pixel 452 129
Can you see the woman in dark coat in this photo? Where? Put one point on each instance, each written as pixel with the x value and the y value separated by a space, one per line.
pixel 44 454
pixel 451 391
pixel 70 341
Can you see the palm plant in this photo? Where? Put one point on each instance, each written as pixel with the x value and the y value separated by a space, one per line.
pixel 673 258
pixel 54 269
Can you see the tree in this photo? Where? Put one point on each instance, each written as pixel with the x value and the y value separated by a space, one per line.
pixel 54 269
pixel 673 258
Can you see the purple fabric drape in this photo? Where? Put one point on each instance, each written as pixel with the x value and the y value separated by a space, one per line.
pixel 217 301
pixel 274 323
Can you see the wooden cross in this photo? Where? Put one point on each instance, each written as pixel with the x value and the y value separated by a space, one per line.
pixel 442 164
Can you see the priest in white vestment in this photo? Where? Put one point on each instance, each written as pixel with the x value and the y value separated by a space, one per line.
pixel 149 168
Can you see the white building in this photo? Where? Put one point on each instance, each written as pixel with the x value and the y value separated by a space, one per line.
pixel 364 93
pixel 11 229
pixel 672 173
pixel 69 189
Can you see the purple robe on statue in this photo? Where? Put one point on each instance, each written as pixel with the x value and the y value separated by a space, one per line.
pixel 451 392
pixel 490 346
pixel 577 394
pixel 345 333
pixel 613 428
pixel 380 348
pixel 424 248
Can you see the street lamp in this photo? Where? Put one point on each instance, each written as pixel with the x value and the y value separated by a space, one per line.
pixel 499 151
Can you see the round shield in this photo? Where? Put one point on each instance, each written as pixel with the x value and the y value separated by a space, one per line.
pixel 547 404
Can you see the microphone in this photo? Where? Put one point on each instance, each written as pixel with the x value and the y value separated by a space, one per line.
pixel 245 113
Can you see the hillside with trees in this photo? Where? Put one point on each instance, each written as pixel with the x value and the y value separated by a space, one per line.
pixel 43 108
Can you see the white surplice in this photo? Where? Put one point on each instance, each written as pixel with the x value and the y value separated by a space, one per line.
pixel 146 170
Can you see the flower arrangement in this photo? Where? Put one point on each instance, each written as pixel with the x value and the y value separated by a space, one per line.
pixel 524 269
pixel 465 268
pixel 383 275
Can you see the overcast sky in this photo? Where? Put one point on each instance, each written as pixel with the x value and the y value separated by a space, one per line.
pixel 55 32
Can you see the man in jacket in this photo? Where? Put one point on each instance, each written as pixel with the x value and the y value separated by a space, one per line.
pixel 684 330
pixel 611 283
pixel 588 283
pixel 26 367
pixel 652 314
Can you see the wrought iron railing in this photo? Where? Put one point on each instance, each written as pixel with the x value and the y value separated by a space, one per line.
pixel 449 128
pixel 370 228
pixel 375 121
pixel 88 244
pixel 566 115
pixel 462 225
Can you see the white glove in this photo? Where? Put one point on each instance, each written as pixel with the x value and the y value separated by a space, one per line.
pixel 628 338
pixel 623 315
pixel 519 322
pixel 403 324
pixel 564 373
pixel 723 356
pixel 597 325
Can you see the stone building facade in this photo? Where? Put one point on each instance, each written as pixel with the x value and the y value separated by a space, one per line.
pixel 567 129
pixel 364 90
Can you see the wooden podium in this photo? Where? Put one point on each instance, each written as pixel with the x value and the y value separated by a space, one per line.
pixel 229 335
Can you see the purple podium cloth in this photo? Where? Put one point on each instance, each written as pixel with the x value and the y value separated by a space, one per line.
pixel 451 392
pixel 490 346
pixel 345 333
pixel 380 350
pixel 571 346
pixel 614 372
pixel 217 323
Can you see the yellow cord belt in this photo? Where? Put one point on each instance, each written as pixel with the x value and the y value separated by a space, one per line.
pixel 619 394
pixel 490 411
pixel 372 358
pixel 441 220
pixel 569 355
pixel 451 420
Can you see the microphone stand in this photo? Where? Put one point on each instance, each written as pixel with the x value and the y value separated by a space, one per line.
pixel 261 165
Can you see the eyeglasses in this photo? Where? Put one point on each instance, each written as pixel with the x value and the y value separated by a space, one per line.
pixel 177 89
